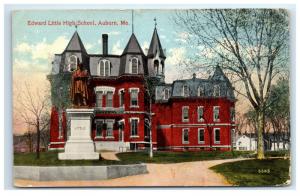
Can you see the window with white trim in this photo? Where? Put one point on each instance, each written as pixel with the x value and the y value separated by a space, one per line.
pixel 232 114
pixel 201 136
pixel 99 128
pixel 200 112
pixel 134 126
pixel 216 113
pixel 185 91
pixel 72 63
pixel 185 136
pixel 216 90
pixel 109 128
pixel 121 96
pixel 99 99
pixel 217 135
pixel 166 94
pixel 134 97
pixel 134 65
pixel 104 68
pixel 109 99
pixel 185 113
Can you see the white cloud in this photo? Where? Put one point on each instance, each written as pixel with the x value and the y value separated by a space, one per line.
pixel 42 50
pixel 22 66
pixel 116 48
pixel 114 33
pixel 173 61
pixel 145 47
pixel 182 37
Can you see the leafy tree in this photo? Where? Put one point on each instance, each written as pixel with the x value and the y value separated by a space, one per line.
pixel 249 44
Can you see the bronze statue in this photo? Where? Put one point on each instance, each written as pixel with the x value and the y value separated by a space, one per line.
pixel 79 90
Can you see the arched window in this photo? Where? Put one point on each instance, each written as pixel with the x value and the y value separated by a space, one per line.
pixel 201 90
pixel 104 68
pixel 166 94
pixel 162 67
pixel 72 63
pixel 156 65
pixel 134 65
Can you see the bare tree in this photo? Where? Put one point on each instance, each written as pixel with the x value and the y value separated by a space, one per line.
pixel 249 44
pixel 33 107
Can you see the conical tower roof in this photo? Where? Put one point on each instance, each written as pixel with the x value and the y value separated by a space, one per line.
pixel 133 46
pixel 155 46
pixel 75 44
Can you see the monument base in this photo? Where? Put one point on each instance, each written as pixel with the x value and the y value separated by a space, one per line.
pixel 79 145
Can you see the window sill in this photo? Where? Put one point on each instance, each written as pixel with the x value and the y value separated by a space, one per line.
pixel 134 136
pixel 216 120
pixel 200 120
pixel 185 120
pixel 134 106
pixel 217 142
pixel 185 142
pixel 99 137
pixel 201 142
pixel 110 137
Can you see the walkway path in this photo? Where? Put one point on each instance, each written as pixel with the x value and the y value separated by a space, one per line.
pixel 177 174
pixel 109 156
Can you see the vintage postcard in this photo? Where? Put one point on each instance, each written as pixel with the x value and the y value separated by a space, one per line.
pixel 151 97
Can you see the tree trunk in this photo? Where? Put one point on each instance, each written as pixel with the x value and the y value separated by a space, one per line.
pixel 260 139
pixel 38 139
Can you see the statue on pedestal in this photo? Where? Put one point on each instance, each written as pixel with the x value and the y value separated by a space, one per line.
pixel 79 90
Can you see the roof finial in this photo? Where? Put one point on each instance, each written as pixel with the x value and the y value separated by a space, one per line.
pixel 155 22
pixel 76 27
pixel 132 25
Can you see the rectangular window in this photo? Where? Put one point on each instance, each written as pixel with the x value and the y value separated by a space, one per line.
pixel 99 97
pixel 121 94
pixel 185 114
pixel 134 97
pixel 216 113
pixel 185 136
pixel 109 99
pixel 167 94
pixel 185 91
pixel 107 68
pixel 200 114
pixel 232 114
pixel 134 127
pixel 217 135
pixel 216 90
pixel 134 66
pixel 99 129
pixel 201 136
pixel 201 91
pixel 109 128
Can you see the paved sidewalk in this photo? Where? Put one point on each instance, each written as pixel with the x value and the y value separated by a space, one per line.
pixel 177 174
pixel 109 156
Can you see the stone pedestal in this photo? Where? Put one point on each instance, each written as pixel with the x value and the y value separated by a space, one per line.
pixel 79 145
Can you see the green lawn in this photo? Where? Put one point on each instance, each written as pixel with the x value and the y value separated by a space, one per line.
pixel 51 158
pixel 268 172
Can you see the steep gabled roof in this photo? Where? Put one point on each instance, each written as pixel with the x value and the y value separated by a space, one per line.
pixel 219 74
pixel 75 44
pixel 155 46
pixel 133 46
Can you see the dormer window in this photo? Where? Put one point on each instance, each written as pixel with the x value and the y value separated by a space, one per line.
pixel 185 91
pixel 72 63
pixel 104 68
pixel 216 90
pixel 134 65
pixel 156 66
pixel 166 94
pixel 201 91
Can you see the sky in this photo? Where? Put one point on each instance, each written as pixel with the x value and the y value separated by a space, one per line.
pixel 34 46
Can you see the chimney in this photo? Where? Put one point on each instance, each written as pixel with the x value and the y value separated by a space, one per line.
pixel 105 44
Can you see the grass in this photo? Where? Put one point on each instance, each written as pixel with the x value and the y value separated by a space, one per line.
pixel 268 172
pixel 51 158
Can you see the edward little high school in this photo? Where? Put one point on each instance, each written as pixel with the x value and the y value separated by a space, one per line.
pixel 129 97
